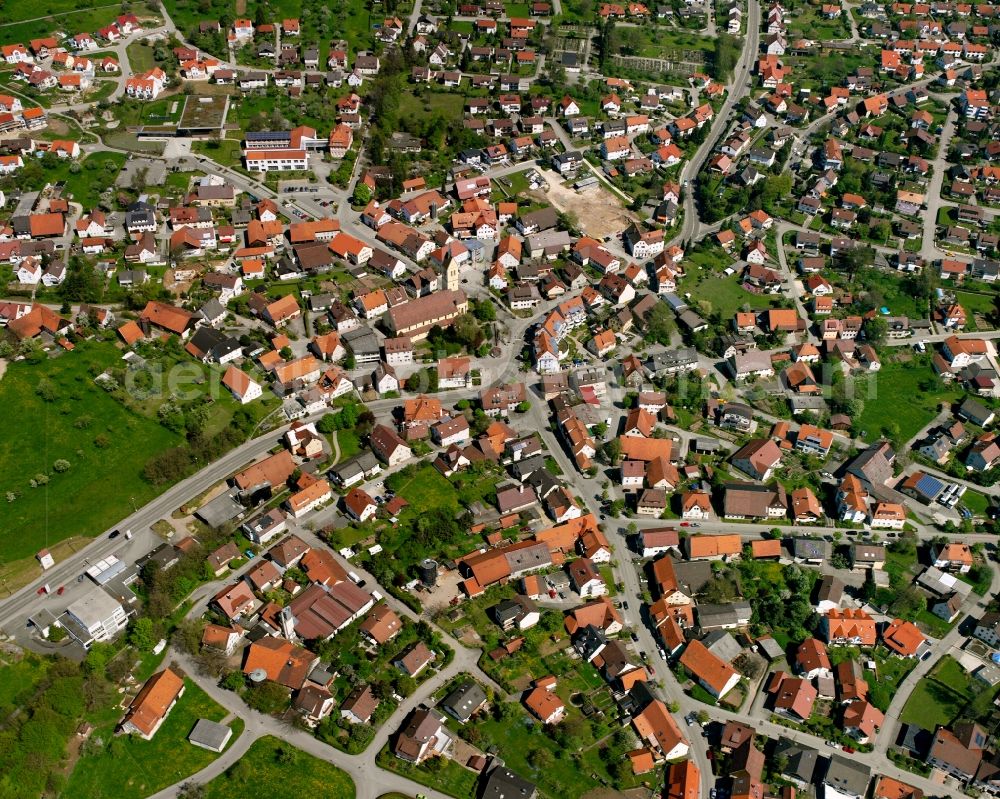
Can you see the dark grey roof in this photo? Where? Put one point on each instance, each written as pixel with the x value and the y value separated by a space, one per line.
pixel 801 759
pixel 464 700
pixel 973 409
pixel 811 548
pixel 210 735
pixel 848 776
pixel 502 783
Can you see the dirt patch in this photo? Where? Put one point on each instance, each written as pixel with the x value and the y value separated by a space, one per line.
pixel 550 647
pixel 439 598
pixel 241 8
pixel 521 683
pixel 463 752
pixel 598 211
pixel 470 637
pixel 58 126
pixel 3 367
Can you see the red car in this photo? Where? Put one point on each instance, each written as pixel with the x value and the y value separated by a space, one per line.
pixel 61 589
pixel 849 749
pixel 685 524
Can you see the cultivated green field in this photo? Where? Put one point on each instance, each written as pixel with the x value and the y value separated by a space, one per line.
pixel 56 411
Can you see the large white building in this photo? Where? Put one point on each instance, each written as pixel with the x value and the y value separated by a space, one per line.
pixel 276 160
pixel 95 618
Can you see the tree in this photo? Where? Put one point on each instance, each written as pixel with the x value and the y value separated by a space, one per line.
pixel 853 259
pixel 191 790
pixel 486 311
pixel 659 324
pixel 908 602
pixel 362 194
pixel 328 424
pixel 876 330
pixel 467 330
pixel 268 697
pixel 234 681
pixel 613 451
pixel 727 53
pixel 541 758
pixel 81 284
pixel 142 635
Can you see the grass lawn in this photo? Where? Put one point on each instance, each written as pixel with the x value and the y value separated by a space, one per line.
pixel 224 151
pixel 520 738
pixel 447 104
pixel 202 384
pixel 442 774
pixel 518 185
pixel 102 89
pixel 275 769
pixel 891 672
pixel 140 56
pixel 132 767
pixel 18 681
pixel 724 295
pixel 975 502
pixel 661 42
pixel 102 482
pixel 425 489
pixel 349 443
pixel 99 171
pixel 807 22
pixel 976 303
pixel 939 697
pixel 517 9
pixel 881 393
pixel 933 625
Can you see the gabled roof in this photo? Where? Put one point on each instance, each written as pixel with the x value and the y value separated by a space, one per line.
pixel 153 702
pixel 282 661
pixel 707 667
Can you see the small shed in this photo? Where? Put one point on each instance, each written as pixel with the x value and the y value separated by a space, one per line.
pixel 210 735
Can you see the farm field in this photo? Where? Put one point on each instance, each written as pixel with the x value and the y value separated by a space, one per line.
pixel 74 420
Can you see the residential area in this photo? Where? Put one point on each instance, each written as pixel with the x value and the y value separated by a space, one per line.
pixel 484 400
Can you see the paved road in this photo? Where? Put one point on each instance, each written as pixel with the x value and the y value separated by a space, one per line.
pixel 737 88
pixel 928 249
pixel 369 780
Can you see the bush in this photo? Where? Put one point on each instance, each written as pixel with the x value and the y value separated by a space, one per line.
pixel 268 697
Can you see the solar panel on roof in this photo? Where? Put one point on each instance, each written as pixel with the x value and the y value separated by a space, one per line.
pixel 265 135
pixel 929 486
